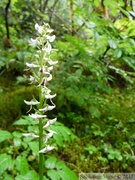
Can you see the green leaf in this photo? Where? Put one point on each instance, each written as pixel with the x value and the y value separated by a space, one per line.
pixel 102 159
pixel 31 175
pixel 111 156
pixel 115 154
pixel 22 165
pixel 63 175
pixel 70 173
pixel 91 149
pixel 26 177
pixel 113 6
pixel 50 163
pixel 112 43
pixel 58 139
pixel 64 133
pixel 125 13
pixel 20 177
pixel 94 112
pixel 60 165
pixel 117 53
pixel 96 36
pixel 130 62
pixel 22 122
pixel 4 135
pixel 96 2
pixel 7 177
pixel 53 175
pixel 118 157
pixel 34 147
pixel 14 1
pixel 25 120
pixel 17 134
pixel 6 162
pixel 17 142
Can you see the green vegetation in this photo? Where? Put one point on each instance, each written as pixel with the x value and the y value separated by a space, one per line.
pixel 94 81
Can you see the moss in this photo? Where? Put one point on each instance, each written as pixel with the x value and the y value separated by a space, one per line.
pixel 79 160
pixel 12 104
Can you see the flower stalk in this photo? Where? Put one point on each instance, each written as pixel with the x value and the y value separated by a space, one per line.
pixel 41 68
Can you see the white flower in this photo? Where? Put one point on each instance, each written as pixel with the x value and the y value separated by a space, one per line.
pixel 49 78
pixel 46 70
pixel 31 103
pixel 30 65
pixel 47 48
pixel 52 62
pixel 49 135
pixel 49 30
pixel 51 131
pixel 47 108
pixel 51 38
pixel 37 116
pixel 47 92
pixel 50 68
pixel 45 79
pixel 43 82
pixel 37 55
pixel 39 28
pixel 46 149
pixel 30 135
pixel 33 42
pixel 50 122
pixel 32 79
pixel 49 96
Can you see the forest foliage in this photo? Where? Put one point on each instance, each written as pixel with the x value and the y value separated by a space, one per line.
pixel 94 81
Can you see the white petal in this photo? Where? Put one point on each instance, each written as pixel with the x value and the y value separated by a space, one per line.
pixel 49 78
pixel 49 30
pixel 47 48
pixel 32 79
pixel 51 38
pixel 30 135
pixel 50 68
pixel 46 90
pixel 49 135
pixel 51 131
pixel 37 116
pixel 46 149
pixel 31 102
pixel 50 96
pixel 43 82
pixel 47 108
pixel 46 70
pixel 33 42
pixel 50 122
pixel 52 62
pixel 39 28
pixel 31 65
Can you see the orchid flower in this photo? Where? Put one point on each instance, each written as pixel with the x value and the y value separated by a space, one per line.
pixel 50 122
pixel 46 149
pixel 41 67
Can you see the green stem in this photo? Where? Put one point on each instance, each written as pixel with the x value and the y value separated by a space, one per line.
pixel 41 155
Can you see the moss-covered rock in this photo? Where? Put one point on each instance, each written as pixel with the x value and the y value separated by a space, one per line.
pixel 12 104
